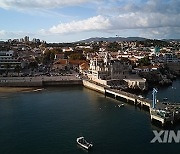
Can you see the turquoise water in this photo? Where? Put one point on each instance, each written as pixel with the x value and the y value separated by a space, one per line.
pixel 49 122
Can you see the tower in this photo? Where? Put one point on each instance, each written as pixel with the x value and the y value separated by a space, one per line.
pixel 26 38
pixel 106 58
pixel 154 101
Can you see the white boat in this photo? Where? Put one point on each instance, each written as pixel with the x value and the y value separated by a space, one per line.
pixel 140 96
pixel 83 143
pixel 36 90
pixel 120 105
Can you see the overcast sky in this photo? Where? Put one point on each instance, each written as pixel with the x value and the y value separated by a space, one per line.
pixel 72 20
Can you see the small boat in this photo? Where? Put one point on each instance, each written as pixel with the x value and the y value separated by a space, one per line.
pixel 140 96
pixel 165 99
pixel 36 90
pixel 120 105
pixel 83 143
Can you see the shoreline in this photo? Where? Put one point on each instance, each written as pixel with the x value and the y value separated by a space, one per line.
pixel 15 89
pixel 10 88
pixel 28 82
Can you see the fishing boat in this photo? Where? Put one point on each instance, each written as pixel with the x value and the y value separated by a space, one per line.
pixel 83 143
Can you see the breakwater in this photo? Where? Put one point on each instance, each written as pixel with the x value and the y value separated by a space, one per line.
pixel 94 86
pixel 163 113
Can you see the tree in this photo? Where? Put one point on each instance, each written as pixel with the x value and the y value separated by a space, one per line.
pixel 144 61
pixel 76 56
pixel 33 65
pixel 37 59
pixel 17 69
pixel 52 56
pixel 7 66
pixel 48 56
pixel 113 46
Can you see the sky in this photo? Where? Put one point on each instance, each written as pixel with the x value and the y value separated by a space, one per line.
pixel 73 20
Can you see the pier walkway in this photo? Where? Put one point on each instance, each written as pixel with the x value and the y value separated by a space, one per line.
pixel 128 97
pixel 163 113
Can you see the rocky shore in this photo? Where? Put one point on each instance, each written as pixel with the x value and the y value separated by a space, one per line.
pixel 158 78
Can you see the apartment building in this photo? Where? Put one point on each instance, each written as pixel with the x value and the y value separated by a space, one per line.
pixel 8 60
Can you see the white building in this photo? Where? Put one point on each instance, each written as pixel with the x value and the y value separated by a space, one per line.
pixel 106 68
pixel 67 49
pixel 110 71
pixel 136 83
pixel 170 57
pixel 8 61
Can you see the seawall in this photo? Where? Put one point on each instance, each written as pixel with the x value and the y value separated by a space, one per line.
pixel 93 86
pixel 62 83
pixel 39 81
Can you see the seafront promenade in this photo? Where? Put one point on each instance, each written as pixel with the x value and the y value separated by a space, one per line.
pixel 39 81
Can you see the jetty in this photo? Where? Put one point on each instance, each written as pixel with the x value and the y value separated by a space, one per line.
pixel 164 113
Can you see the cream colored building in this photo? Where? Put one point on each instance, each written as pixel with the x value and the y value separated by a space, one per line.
pixel 107 68
pixel 136 83
pixel 8 60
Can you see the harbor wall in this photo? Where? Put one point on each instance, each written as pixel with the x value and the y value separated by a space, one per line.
pixel 93 86
pixel 62 83
pixel 37 82
pixel 21 84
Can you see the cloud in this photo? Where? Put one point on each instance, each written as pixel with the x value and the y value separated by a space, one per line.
pixel 149 6
pixel 2 32
pixel 22 4
pixel 125 21
pixel 14 34
pixel 157 17
pixel 95 23
pixel 144 20
pixel 162 32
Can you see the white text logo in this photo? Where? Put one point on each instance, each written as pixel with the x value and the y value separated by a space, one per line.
pixel 166 136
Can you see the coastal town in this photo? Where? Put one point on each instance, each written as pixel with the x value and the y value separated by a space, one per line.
pixel 89 76
pixel 120 69
pixel 123 65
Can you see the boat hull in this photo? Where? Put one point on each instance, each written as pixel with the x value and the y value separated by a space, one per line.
pixel 86 145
